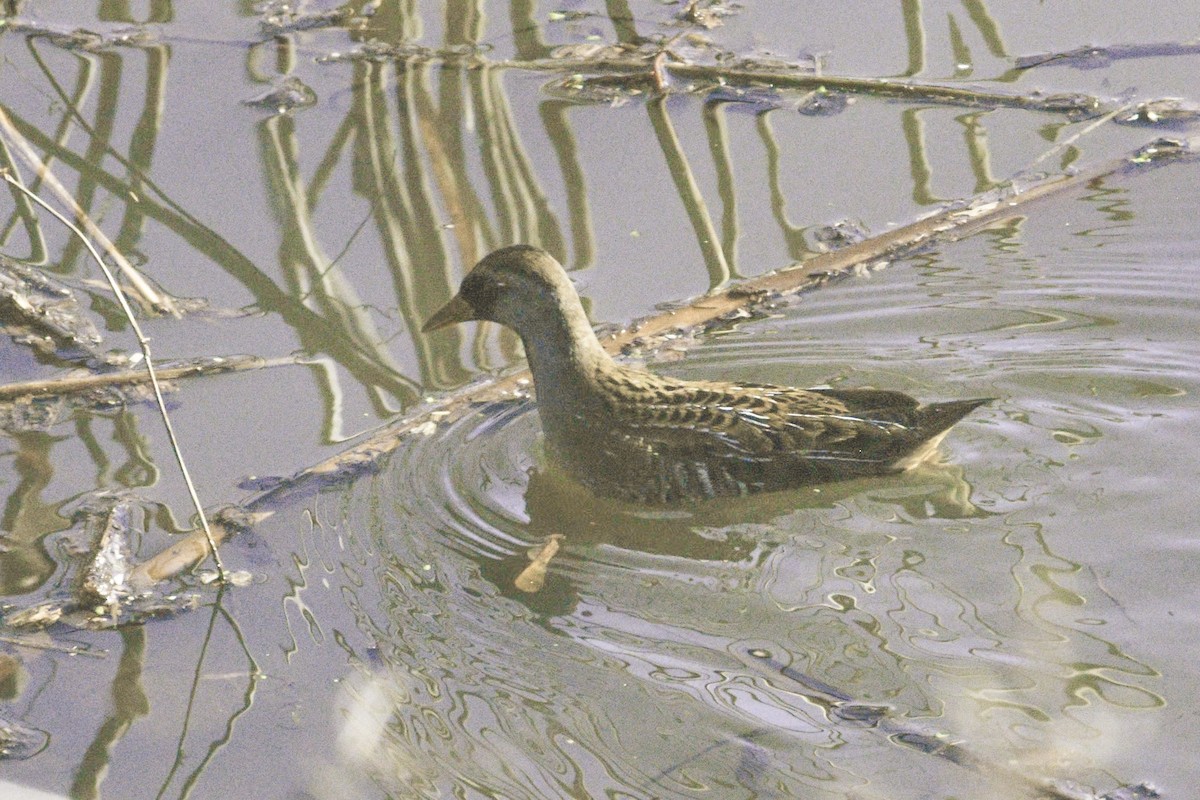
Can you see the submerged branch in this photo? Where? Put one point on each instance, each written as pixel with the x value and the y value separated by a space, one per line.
pixel 705 76
pixel 612 72
pixel 736 302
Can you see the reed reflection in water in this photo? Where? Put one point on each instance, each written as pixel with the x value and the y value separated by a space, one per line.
pixel 1036 603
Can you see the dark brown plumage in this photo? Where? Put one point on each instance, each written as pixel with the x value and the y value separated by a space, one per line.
pixel 638 436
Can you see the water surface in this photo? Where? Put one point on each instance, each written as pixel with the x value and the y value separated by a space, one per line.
pixel 1032 599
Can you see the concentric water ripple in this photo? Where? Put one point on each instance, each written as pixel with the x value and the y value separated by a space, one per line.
pixel 468 478
pixel 685 653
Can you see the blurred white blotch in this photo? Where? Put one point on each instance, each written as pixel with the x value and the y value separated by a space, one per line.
pixel 366 708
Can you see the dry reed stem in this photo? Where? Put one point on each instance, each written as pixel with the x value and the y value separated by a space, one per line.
pixel 660 72
pixel 73 384
pixel 943 226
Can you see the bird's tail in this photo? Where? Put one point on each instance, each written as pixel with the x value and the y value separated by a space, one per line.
pixel 938 418
pixel 933 422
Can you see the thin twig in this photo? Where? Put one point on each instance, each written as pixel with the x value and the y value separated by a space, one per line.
pixel 1084 131
pixel 144 344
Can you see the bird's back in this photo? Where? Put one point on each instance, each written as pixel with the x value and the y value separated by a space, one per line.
pixel 653 439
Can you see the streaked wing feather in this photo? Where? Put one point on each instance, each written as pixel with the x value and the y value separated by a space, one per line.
pixel 743 421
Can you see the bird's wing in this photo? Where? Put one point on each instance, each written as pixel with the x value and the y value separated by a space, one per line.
pixel 872 403
pixel 746 421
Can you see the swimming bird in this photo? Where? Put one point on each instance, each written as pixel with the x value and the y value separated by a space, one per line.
pixel 637 436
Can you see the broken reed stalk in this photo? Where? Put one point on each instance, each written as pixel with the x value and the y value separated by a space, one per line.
pixel 943 226
pixel 143 343
pixel 73 384
pixel 657 71
pixel 1084 131
pixel 150 296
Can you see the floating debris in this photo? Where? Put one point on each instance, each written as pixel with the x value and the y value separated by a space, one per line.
pixel 135 36
pixel 78 39
pixel 591 51
pixel 235 519
pixel 1142 791
pixel 192 548
pixel 107 588
pixel 109 521
pixel 533 577
pixel 770 62
pixel 239 578
pixel 730 320
pixel 68 611
pixel 1097 57
pixel 290 94
pixel 38 405
pixel 612 90
pixel 840 234
pixel 18 742
pixel 82 39
pixel 1074 105
pixel 260 483
pixel 709 16
pixel 756 98
pixel 570 15
pixel 1165 148
pixel 426 428
pixel 404 52
pixel 626 71
pixel 823 103
pixel 39 311
pixel 281 18
pixel 1171 112
pixel 35 617
pixel 43 412
pixel 1081 58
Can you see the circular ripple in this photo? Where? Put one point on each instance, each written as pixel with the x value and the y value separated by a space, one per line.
pixel 469 477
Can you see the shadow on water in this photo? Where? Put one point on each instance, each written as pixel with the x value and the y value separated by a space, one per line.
pixel 499 499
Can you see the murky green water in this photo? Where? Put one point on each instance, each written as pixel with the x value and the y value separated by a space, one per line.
pixel 1032 600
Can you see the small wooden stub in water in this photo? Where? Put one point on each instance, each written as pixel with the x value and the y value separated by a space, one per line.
pixel 533 577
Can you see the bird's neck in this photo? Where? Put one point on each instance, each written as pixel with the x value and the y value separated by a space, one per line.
pixel 564 355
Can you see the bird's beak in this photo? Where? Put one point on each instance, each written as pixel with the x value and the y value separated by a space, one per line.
pixel 457 310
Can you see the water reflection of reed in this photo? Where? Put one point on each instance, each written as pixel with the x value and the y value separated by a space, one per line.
pixel 442 157
pixel 409 140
